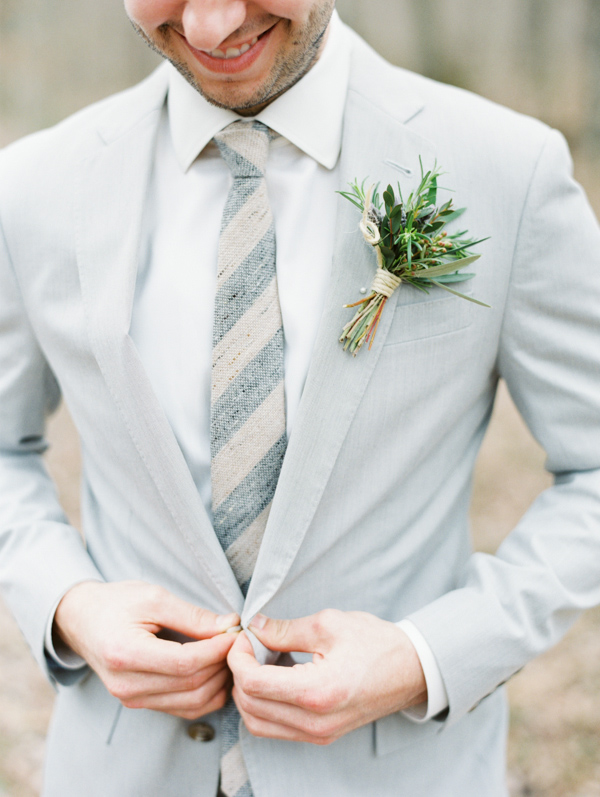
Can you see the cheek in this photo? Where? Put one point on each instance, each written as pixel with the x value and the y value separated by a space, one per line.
pixel 295 10
pixel 150 14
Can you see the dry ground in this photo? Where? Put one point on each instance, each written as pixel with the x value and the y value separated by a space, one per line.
pixel 554 748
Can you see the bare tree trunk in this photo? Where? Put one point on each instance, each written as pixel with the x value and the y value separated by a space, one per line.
pixel 59 55
pixel 433 49
pixel 536 21
pixel 592 133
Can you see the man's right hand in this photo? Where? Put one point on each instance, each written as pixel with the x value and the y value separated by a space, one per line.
pixel 114 626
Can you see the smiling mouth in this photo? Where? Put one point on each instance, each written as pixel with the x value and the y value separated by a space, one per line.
pixel 235 52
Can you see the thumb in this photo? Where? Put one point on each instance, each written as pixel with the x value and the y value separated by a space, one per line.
pixel 187 618
pixel 306 634
pixel 241 655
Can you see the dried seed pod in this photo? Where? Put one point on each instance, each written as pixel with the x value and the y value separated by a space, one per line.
pixel 375 215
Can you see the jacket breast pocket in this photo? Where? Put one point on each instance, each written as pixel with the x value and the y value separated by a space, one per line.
pixel 436 313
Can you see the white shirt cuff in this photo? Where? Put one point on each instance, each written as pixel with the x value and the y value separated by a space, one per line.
pixel 61 654
pixel 437 697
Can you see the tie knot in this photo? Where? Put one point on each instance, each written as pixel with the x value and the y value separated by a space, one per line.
pixel 245 147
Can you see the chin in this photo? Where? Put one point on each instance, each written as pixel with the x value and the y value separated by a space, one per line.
pixel 227 93
pixel 232 100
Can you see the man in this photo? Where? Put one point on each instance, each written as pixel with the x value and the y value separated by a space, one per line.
pixel 122 278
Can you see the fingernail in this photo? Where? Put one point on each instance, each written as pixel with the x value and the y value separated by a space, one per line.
pixel 258 621
pixel 225 621
pixel 234 629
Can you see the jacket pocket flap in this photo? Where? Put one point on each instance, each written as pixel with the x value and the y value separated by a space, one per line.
pixel 436 315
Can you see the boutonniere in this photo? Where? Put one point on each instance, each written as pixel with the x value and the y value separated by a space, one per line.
pixel 411 246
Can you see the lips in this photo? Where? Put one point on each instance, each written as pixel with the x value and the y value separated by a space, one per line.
pixel 233 59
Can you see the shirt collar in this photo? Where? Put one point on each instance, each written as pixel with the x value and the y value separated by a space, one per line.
pixel 310 114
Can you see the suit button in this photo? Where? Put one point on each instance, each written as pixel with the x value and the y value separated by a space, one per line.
pixel 201 732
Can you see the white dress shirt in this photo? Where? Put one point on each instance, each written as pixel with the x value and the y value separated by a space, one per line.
pixel 173 307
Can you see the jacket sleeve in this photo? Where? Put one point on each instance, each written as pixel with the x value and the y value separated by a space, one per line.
pixel 41 555
pixel 512 606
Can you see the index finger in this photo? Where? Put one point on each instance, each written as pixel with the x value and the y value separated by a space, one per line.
pixel 161 656
pixel 268 681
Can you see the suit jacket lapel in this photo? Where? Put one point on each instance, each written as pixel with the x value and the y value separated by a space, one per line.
pixel 373 141
pixel 374 145
pixel 112 190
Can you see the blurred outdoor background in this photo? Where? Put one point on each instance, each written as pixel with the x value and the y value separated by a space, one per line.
pixel 541 57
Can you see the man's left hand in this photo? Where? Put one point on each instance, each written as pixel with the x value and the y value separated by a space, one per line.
pixel 363 668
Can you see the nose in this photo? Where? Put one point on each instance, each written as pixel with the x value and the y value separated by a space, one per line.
pixel 207 23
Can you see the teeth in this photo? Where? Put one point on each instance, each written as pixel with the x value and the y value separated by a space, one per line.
pixel 234 52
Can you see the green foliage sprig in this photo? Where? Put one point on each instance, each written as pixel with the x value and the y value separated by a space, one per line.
pixel 411 245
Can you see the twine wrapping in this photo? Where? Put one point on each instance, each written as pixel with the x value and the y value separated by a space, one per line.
pixel 385 283
pixel 369 229
pixel 362 328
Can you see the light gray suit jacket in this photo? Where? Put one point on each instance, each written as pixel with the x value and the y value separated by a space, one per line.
pixel 371 508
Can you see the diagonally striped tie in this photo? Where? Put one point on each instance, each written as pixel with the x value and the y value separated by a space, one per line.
pixel 248 434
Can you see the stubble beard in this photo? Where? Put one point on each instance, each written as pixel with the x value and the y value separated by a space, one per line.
pixel 288 67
